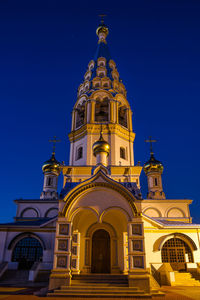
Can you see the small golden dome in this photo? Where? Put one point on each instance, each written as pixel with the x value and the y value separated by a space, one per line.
pixel 51 165
pixel 101 146
pixel 153 165
pixel 102 32
pixel 102 28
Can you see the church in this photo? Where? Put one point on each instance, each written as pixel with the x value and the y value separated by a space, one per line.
pixel 99 228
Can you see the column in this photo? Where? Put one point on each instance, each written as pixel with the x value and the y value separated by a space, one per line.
pixel 75 252
pixel 61 272
pixel 88 110
pixel 129 115
pixel 112 118
pixel 137 275
pixel 117 112
pixel 92 115
pixel 125 248
pixel 85 114
pixel 73 120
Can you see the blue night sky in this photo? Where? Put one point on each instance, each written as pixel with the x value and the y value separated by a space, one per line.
pixel 45 47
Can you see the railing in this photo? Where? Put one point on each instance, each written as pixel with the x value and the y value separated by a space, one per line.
pixel 34 271
pixel 155 274
pixel 3 268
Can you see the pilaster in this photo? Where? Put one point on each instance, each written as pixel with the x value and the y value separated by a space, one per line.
pixel 137 275
pixel 130 119
pixel 92 115
pixel 61 273
pixel 112 118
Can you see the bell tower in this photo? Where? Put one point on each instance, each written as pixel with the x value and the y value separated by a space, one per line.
pixel 102 103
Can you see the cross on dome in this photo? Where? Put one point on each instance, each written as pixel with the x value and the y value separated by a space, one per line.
pixel 54 141
pixel 150 141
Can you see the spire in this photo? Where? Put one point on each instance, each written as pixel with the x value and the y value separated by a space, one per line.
pixel 102 49
pixel 102 30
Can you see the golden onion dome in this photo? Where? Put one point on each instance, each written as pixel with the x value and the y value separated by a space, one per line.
pixel 102 29
pixel 153 165
pixel 101 146
pixel 51 165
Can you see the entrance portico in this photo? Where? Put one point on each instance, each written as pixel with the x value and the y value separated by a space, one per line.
pixel 97 224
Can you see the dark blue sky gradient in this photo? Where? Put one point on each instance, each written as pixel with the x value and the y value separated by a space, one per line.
pixel 45 47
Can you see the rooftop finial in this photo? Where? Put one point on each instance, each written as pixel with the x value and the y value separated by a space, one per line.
pixel 150 141
pixel 54 141
pixel 102 19
pixel 101 132
pixel 102 30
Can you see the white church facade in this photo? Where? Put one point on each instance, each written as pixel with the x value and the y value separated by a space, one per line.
pixel 100 223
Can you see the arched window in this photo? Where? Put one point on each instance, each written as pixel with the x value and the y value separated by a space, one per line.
pixel 122 153
pixel 49 181
pixel 101 111
pixel 80 114
pixel 156 181
pixel 27 251
pixel 79 153
pixel 123 116
pixel 176 252
pixel 51 213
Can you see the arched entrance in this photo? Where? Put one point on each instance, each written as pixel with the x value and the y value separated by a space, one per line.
pixel 27 251
pixel 100 252
pixel 177 253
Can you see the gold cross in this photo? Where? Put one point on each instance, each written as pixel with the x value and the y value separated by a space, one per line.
pixel 151 141
pixel 102 18
pixel 54 141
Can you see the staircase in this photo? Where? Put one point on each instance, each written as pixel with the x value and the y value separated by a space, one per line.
pixel 100 285
pixel 43 276
pixel 185 279
pixel 196 275
pixel 15 276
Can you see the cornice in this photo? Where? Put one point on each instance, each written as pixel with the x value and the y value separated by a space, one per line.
pixel 93 129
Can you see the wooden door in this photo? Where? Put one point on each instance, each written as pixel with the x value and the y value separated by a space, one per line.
pixel 174 251
pixel 100 252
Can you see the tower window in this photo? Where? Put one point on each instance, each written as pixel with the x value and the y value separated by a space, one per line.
pixel 123 116
pixel 80 113
pixel 79 153
pixel 49 181
pixel 122 153
pixel 101 111
pixel 156 181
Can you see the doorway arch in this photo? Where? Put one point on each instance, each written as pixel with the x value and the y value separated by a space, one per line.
pixel 27 251
pixel 100 252
pixel 175 251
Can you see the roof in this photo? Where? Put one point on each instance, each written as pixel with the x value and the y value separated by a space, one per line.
pixel 102 51
pixel 167 222
pixel 37 222
pixel 45 201
pixel 68 187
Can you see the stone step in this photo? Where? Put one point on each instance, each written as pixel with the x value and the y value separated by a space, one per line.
pixel 185 279
pixel 102 282
pixel 99 291
pixel 95 287
pixel 131 296
pixel 15 275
